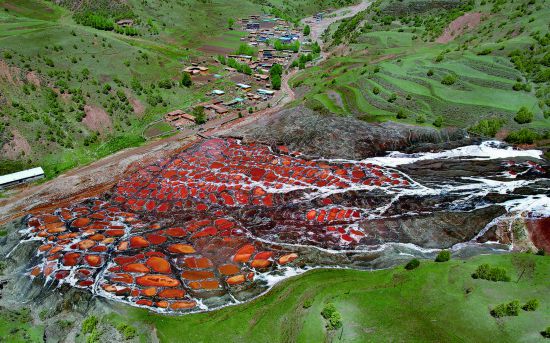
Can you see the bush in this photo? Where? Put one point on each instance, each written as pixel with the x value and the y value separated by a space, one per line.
pixel 438 122
pixel 127 331
pixel 376 90
pixel 392 97
pixel 186 80
pixel 487 127
pixel 89 324
pixel 401 114
pixel 412 264
pixel 523 136
pixel 531 305
pixel 308 303
pixel 541 252
pixel 332 316
pixel 486 51
pixel 486 272
pixel 443 256
pixel 448 80
pixel 503 310
pixel 546 333
pixel 420 119
pixel 523 116
pixel 430 72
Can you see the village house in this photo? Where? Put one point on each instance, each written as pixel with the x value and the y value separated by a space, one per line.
pixel 21 177
pixel 179 118
pixel 196 70
pixel 216 108
pixel 244 87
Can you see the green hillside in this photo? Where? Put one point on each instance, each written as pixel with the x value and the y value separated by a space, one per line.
pixel 387 64
pixel 60 62
pixel 436 302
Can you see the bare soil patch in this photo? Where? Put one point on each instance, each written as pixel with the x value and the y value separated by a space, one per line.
pixel 33 78
pixel 138 107
pixel 9 73
pixel 16 147
pixel 215 50
pixel 97 119
pixel 460 25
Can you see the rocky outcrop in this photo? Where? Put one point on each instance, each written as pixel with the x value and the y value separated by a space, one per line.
pixel 304 130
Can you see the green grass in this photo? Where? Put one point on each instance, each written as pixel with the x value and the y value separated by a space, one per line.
pixel 17 326
pixel 404 53
pixel 437 302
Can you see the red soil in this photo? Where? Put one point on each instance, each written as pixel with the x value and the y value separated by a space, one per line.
pixel 458 26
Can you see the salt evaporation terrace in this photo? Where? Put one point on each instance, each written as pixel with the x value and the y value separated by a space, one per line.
pixel 206 227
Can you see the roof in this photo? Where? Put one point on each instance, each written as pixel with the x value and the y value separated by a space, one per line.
pixel 265 91
pixel 218 92
pixel 242 85
pixel 21 175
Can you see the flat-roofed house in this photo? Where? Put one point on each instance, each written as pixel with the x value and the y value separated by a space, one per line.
pixel 21 177
pixel 244 87
pixel 196 70
pixel 219 109
pixel 179 118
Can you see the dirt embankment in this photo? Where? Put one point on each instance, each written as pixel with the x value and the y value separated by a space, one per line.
pixel 460 25
pixel 97 119
pixel 304 130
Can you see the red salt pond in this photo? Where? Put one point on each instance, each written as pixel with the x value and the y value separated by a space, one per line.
pixel 181 230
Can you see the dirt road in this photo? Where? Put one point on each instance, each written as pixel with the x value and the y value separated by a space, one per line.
pixel 99 176
pixel 317 28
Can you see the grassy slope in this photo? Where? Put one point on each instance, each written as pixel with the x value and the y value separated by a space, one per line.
pixel 41 37
pixel 484 86
pixel 429 304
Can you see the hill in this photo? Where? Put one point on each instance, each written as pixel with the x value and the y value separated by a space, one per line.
pixel 75 86
pixel 469 64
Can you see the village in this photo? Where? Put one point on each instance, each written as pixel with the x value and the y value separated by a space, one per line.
pixel 247 79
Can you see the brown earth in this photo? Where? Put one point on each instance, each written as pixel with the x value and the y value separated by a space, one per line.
pixel 97 119
pixel 460 25
pixel 33 78
pixel 137 106
pixel 215 50
pixel 9 73
pixel 16 147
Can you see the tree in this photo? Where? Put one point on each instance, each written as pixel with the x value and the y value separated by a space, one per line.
pixel 276 69
pixel 401 114
pixel 230 23
pixel 200 116
pixel 186 80
pixel 276 81
pixel 523 116
pixel 332 316
pixel 307 30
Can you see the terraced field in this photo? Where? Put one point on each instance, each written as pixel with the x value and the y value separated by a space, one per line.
pixel 386 69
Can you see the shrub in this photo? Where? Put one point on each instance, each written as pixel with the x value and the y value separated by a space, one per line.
pixel 401 114
pixel 487 127
pixel 546 333
pixel 438 122
pixel 186 80
pixel 523 136
pixel 541 252
pixel 523 116
pixel 443 256
pixel 412 264
pixel 448 80
pixel 430 72
pixel 531 305
pixel 127 331
pixel 486 272
pixel 332 316
pixel 392 97
pixel 486 51
pixel 166 84
pixel 503 310
pixel 308 303
pixel 420 119
pixel 89 324
pixel 376 90
pixel 200 116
